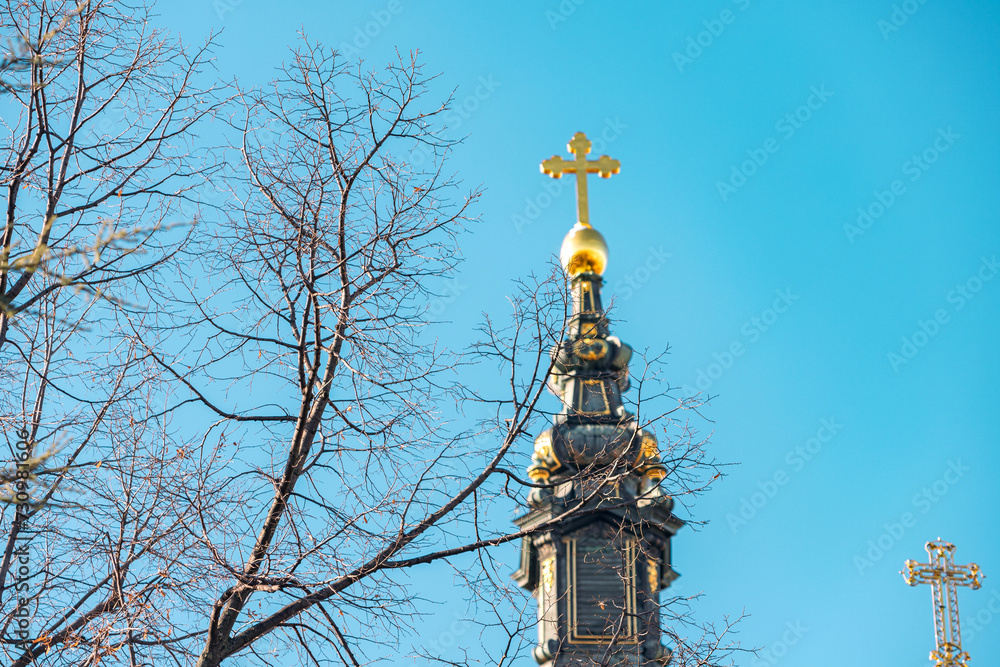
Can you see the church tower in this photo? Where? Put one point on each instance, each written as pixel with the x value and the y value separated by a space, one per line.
pixel 599 565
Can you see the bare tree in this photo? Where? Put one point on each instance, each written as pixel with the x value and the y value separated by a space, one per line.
pixel 256 460
pixel 98 147
pixel 315 326
pixel 24 50
pixel 100 163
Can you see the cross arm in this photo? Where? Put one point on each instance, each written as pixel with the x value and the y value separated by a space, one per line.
pixel 965 575
pixel 556 166
pixel 604 166
pixel 920 573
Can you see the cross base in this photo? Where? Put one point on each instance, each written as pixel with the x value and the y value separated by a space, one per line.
pixel 950 655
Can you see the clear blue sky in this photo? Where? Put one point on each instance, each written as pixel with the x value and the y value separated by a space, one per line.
pixel 750 135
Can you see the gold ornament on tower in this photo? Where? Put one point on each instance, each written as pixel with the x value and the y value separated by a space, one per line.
pixel 583 250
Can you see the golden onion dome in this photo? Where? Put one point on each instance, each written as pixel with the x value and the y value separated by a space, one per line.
pixel 584 251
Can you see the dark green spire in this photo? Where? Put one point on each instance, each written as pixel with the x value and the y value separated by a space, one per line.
pixel 597 574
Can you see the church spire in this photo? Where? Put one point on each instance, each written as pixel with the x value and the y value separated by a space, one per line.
pixel 597 575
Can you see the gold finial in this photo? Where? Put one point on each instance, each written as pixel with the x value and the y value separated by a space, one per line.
pixel 943 575
pixel 583 249
pixel 556 166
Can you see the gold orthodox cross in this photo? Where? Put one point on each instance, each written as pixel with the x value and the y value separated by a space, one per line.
pixel 579 146
pixel 943 576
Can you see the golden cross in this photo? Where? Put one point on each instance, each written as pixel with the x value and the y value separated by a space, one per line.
pixel 943 575
pixel 579 146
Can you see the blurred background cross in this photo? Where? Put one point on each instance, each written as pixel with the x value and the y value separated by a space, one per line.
pixel 943 576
